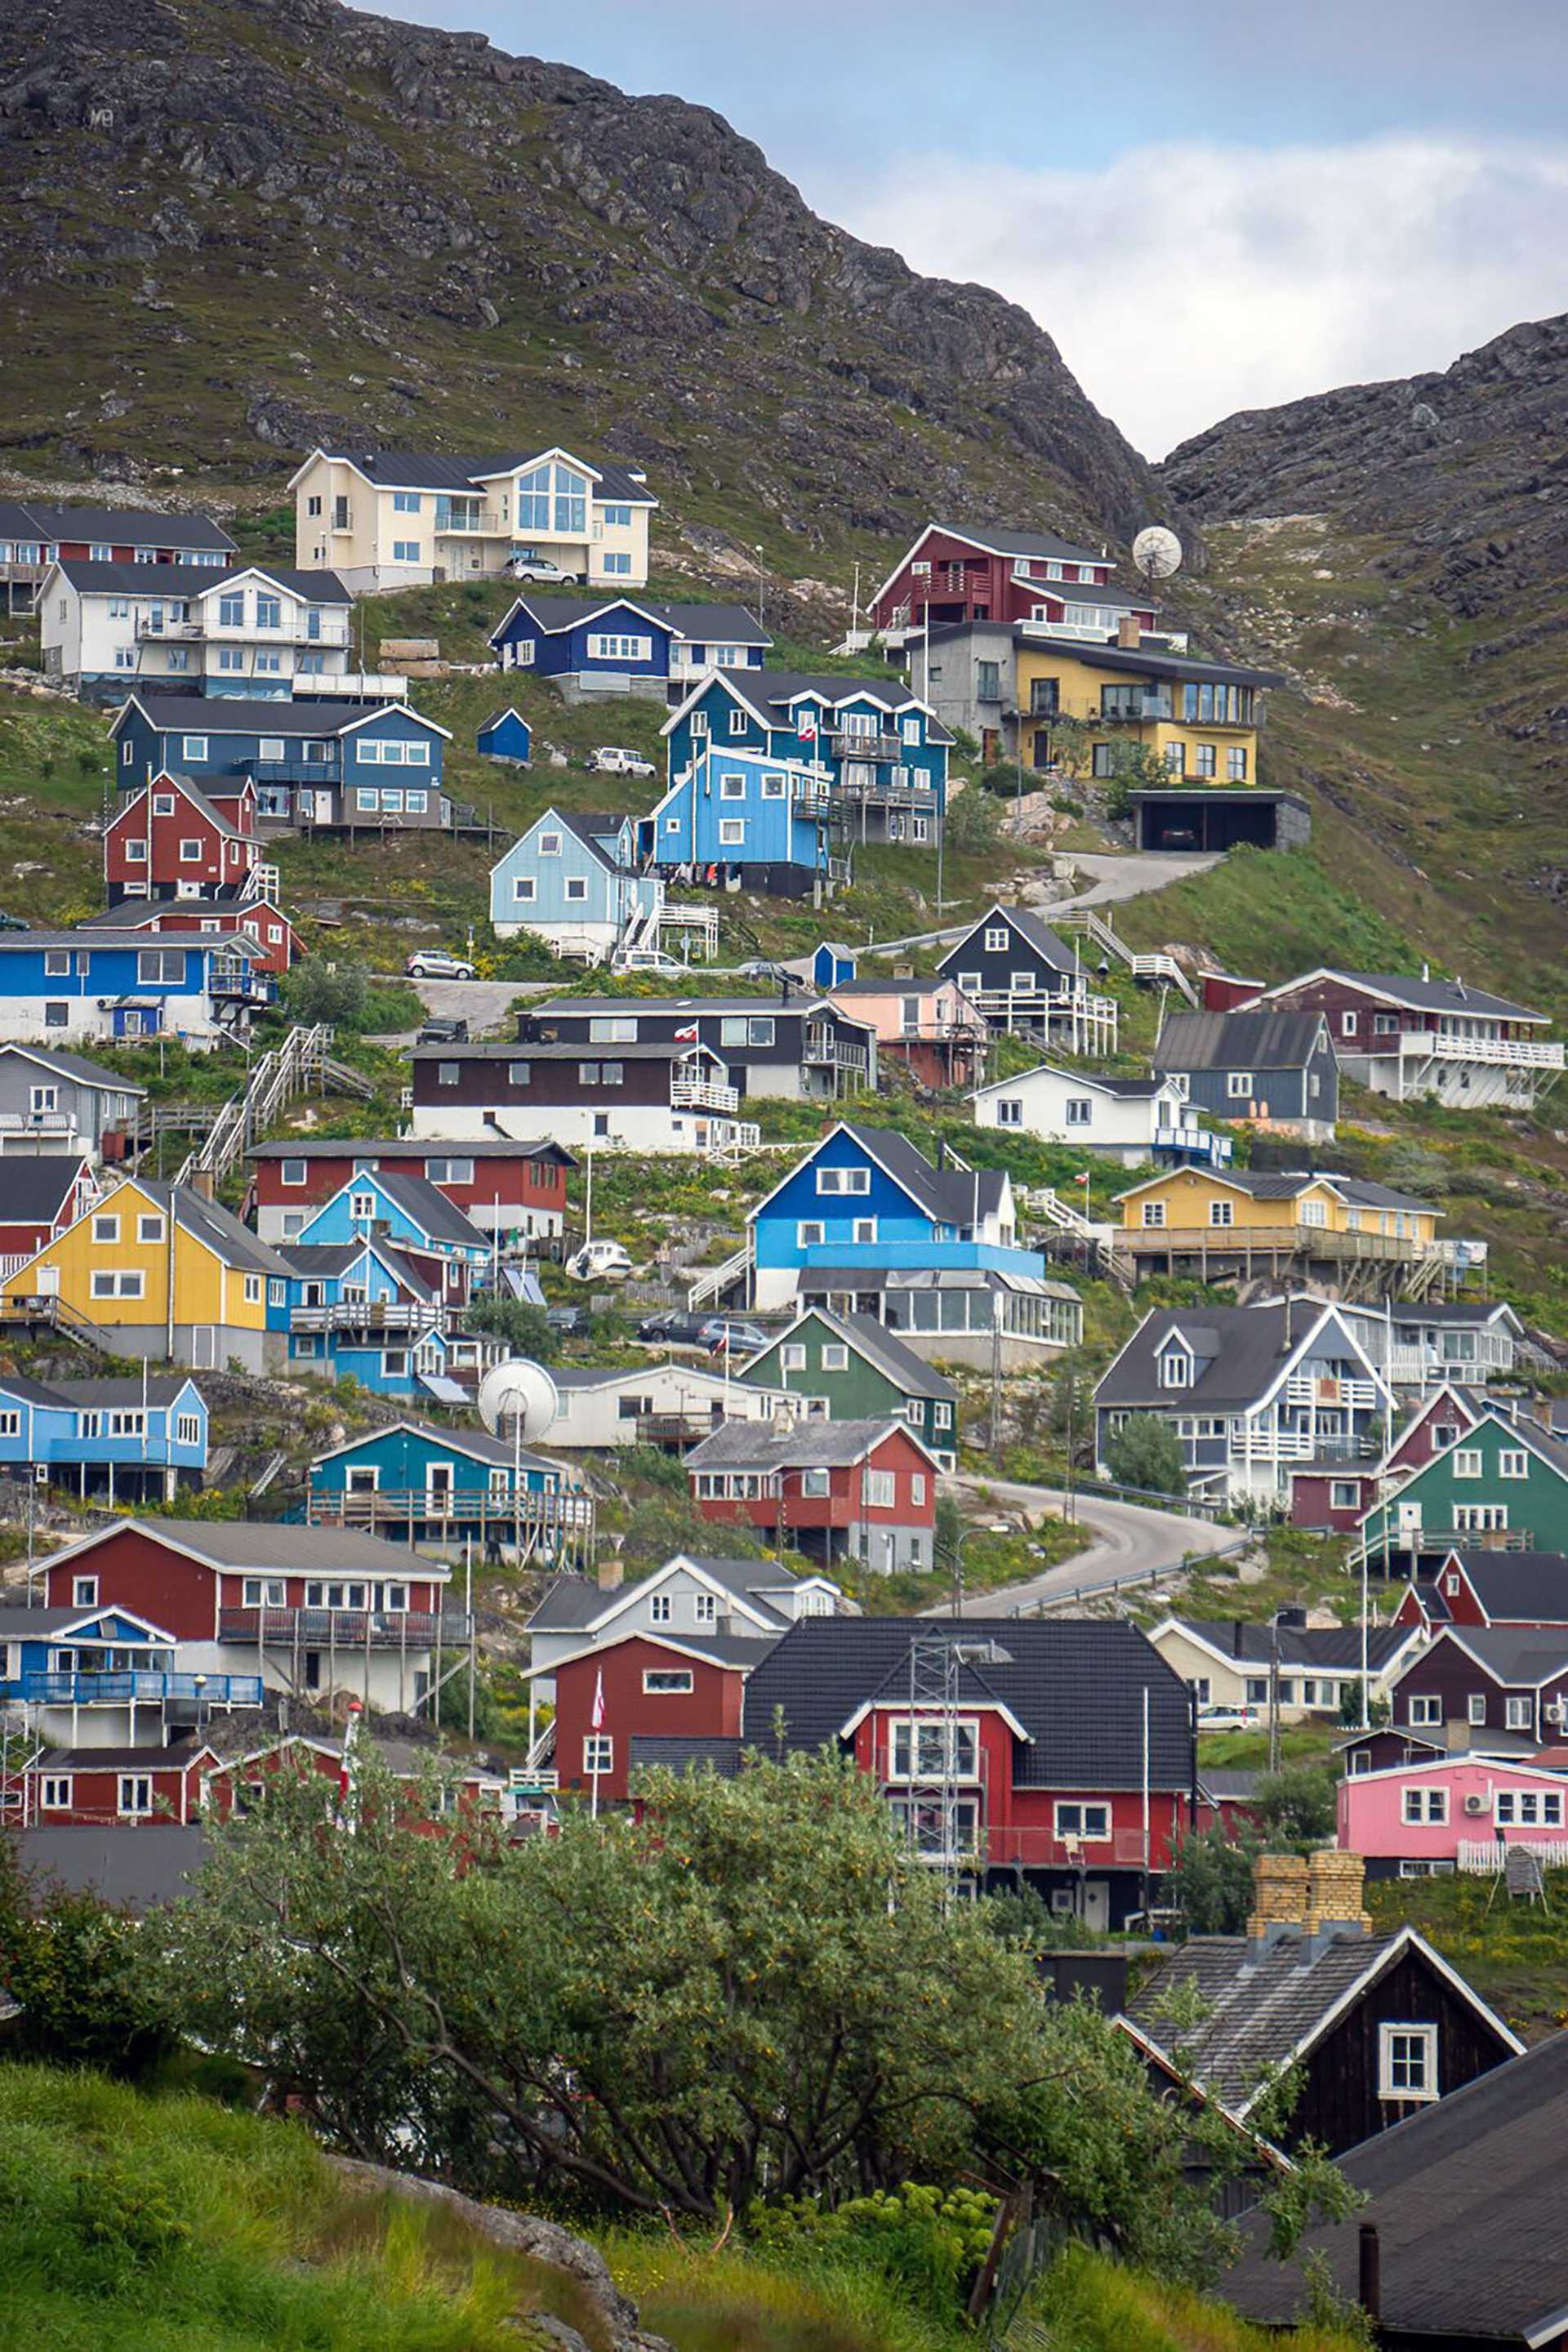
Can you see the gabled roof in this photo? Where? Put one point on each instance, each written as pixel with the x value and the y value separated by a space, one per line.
pixel 407 1147
pixel 995 539
pixel 34 1187
pixel 131 526
pixel 739 1651
pixel 478 1444
pixel 159 1389
pixel 1148 660
pixel 1423 995
pixel 1466 2199
pixel 135 1870
pixel 1036 936
pixel 198 800
pixel 806 1444
pixel 1270 1185
pixel 829 1669
pixel 1090 1082
pixel 423 1202
pixel 1241 1353
pixel 416 469
pixel 1516 1586
pixel 882 1349
pixel 1518 1658
pixel 241 714
pixel 1238 1041
pixel 1335 1648
pixel 576 1603
pixel 165 580
pixel 71 1065
pixel 721 624
pixel 260 1544
pixel 222 1232
pixel 17 1623
pixel 1264 2011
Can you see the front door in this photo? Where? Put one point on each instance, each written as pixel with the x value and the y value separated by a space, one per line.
pixel 439 1490
pixel 1096 1907
pixel 1410 1525
pixel 204 1348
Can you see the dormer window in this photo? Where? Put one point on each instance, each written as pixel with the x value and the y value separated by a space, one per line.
pixel 1176 1368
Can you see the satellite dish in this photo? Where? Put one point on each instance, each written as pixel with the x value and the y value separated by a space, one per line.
pixel 518 1400
pixel 1157 551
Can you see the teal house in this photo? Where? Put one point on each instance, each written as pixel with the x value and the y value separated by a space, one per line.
pixel 1501 1485
pixel 451 1490
pixel 852 1368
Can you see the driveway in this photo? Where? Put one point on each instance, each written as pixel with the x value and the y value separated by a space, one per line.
pixel 1125 1543
pixel 482 1003
pixel 1128 875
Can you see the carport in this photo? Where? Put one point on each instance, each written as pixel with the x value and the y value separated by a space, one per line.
pixel 1189 819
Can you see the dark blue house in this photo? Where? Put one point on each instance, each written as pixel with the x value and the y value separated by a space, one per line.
pixel 506 735
pixel 832 964
pixel 625 644
pixel 322 766
pixel 1267 1067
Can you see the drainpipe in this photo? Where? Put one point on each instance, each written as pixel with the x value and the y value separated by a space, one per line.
pixel 173 1228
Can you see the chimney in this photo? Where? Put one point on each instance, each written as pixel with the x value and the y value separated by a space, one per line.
pixel 1236 1637
pixel 202 1183
pixel 1278 1901
pixel 1369 2279
pixel 783 1416
pixel 612 1572
pixel 1334 1881
pixel 1129 632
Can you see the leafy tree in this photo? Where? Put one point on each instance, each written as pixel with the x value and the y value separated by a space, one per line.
pixel 973 823
pixel 1211 1879
pixel 1134 767
pixel 317 991
pixel 1146 1451
pixel 1298 1806
pixel 76 1967
pixel 526 1328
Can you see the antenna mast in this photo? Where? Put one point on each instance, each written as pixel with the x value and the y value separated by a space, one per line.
pixel 931 1802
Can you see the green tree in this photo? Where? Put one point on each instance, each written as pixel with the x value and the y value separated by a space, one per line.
pixel 1146 1451
pixel 526 1328
pixel 1134 767
pixel 75 1966
pixel 1298 1806
pixel 1210 1880
pixel 973 823
pixel 318 991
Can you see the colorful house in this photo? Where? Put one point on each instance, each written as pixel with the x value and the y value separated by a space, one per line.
pixel 170 840
pixel 691 1594
pixel 860 1490
pixel 852 1368
pixel 447 1489
pixel 628 1688
pixel 183 628
pixel 322 766
pixel 100 1676
pixel 275 945
pixel 157 1270
pixel 928 1025
pixel 1023 977
pixel 1404 1036
pixel 40 1196
pixel 1192 1220
pixel 1491 1588
pixel 35 534
pixel 573 880
pixel 55 1102
pixel 1475 1686
pixel 621 644
pixel 955 573
pixel 1272 1070
pixel 795 1044
pixel 102 986
pixel 1431 1818
pixel 380 1279
pixel 1338 1495
pixel 1132 1120
pixel 128 1439
pixel 506 735
pixel 1501 1485
pixel 514 1193
pixel 1312 1670
pixel 653 1098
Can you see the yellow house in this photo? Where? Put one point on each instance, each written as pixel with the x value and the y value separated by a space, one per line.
pixel 396 519
pixel 1241 1214
pixel 162 1271
pixel 1200 718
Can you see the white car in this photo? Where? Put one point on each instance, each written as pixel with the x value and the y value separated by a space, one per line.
pixel 615 760
pixel 652 959
pixel 1221 1717
pixel 540 569
pixel 426 965
pixel 600 1262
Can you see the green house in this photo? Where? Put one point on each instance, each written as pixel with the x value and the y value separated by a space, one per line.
pixel 852 1368
pixel 1501 1485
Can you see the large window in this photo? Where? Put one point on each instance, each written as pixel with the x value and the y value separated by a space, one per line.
pixel 1091 1822
pixel 553 497
pixel 919 1749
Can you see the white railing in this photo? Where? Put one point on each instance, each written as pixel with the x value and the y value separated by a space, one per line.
pixel 37 1122
pixel 11 1262
pixel 1159 967
pixel 1480 1858
pixel 714 1280
pixel 702 1094
pixel 689 922
pixel 1519 1053
pixel 1310 1388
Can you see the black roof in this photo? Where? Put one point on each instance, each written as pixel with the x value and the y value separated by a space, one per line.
pixel 1516 1657
pixel 771 691
pixel 73 1065
pixel 195 578
pixel 131 526
pixel 1466 2198
pixel 1239 1352
pixel 250 714
pixel 1041 1669
pixel 1003 542
pixel 728 623
pixel 135 1867
pixel 35 1185
pixel 1517 1586
pixel 1237 1041
pixel 714 1755
pixel 1322 1646
pixel 1180 668
pixel 1424 996
pixel 407 1147
pixel 415 470
pixel 1047 945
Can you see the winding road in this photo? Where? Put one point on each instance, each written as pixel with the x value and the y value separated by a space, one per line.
pixel 1127 1543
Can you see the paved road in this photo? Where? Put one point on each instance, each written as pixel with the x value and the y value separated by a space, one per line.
pixel 1129 875
pixel 1124 1543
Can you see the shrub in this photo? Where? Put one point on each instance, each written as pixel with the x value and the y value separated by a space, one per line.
pixel 1146 1451
pixel 929 2243
pixel 973 824
pixel 1210 1880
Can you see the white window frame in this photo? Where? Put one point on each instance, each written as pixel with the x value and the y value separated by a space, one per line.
pixel 1424 1710
pixel 1390 2056
pixel 1085 1808
pixel 598 1754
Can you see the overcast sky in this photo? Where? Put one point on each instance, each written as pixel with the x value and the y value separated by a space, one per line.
pixel 1211 204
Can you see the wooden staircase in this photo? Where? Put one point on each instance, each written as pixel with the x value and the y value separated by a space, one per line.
pixel 1163 969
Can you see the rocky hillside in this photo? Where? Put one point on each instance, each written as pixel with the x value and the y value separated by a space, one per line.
pixel 237 226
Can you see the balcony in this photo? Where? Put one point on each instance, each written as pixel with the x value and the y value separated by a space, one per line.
pixel 373 1315
pixel 340 1628
pixel 702 1094
pixel 238 981
pixel 1308 1240
pixel 1504 1053
pixel 825 1052
pixel 1142 713
pixel 463 1506
pixel 470 522
pixel 879 747
pixel 674 1428
pixel 296 770
pixel 139 1687
pixel 149 625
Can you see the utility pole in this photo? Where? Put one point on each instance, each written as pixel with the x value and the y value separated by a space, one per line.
pixel 1071 1512
pixel 1274 1693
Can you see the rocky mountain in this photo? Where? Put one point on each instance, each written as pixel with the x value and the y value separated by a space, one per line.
pixel 234 226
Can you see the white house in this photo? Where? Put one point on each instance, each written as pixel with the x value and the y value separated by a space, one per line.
pixel 661 1404
pixel 1125 1119
pixel 749 1600
pixel 107 627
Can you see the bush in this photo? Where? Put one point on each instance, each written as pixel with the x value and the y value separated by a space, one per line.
pixel 1210 1880
pixel 1146 1451
pixel 972 823
pixel 927 2242
pixel 526 1328
pixel 1298 1807
pixel 87 1999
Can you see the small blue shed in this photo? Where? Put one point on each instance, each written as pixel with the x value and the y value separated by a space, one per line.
pixel 832 963
pixel 506 735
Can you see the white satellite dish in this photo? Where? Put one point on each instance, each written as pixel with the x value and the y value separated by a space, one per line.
pixel 1157 551
pixel 519 1401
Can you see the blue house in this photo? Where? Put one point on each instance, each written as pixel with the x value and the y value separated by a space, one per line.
pixel 573 880
pixel 794 757
pixel 831 966
pixel 625 644
pixel 447 1488
pixel 322 766
pixel 112 1664
pixel 129 1439
pixel 379 1280
pixel 506 735
pixel 65 988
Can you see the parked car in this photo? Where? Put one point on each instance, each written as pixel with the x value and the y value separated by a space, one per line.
pixel 14 923
pixel 652 959
pixel 762 968
pixel 570 1322
pixel 542 569
pixel 1227 1718
pixel 678 1327
pixel 429 964
pixel 615 760
pixel 736 1338
pixel 600 1262
pixel 439 1031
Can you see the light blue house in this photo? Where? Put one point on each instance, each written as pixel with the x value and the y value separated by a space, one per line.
pixel 448 1488
pixel 625 644
pixel 863 756
pixel 65 988
pixel 113 1667
pixel 128 1439
pixel 573 880
pixel 379 1282
pixel 506 735
pixel 324 765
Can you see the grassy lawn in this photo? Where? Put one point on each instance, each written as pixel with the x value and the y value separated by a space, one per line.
pixel 1248 1751
pixel 1086 2302
pixel 1515 1954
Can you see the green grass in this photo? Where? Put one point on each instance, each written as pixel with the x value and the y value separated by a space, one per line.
pixel 734 2300
pixel 1514 1954
pixel 1086 2302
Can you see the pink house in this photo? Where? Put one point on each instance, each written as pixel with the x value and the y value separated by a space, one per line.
pixel 927 1023
pixel 1425 1820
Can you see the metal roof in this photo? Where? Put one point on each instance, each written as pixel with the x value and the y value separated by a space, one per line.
pixel 241 714
pixel 135 1867
pixel 805 1444
pixel 131 526
pixel 1247 1040
pixel 1047 945
pixel 155 580
pixel 414 469
pixel 1239 1352
pixel 73 1066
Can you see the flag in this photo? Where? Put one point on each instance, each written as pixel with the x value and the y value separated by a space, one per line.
pixel 687 1036
pixel 596 1720
pixel 346 1805
pixel 1082 1180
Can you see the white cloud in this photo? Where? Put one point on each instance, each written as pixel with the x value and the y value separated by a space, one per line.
pixel 1184 282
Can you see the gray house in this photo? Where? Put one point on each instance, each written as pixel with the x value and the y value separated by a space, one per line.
pixel 745 1599
pixel 1274 1070
pixel 51 1101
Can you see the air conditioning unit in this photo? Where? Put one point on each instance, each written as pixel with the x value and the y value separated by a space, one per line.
pixel 40 1474
pixel 1474 1804
pixel 1556 1710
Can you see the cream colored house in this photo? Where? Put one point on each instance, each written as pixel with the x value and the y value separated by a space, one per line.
pixel 1230 1664
pixel 394 519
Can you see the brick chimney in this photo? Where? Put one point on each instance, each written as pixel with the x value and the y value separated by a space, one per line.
pixel 1129 632
pixel 612 1572
pixel 1279 1885
pixel 1334 1883
pixel 203 1182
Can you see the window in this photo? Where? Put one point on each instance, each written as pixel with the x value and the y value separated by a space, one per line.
pixel 1176 759
pixel 843 1179
pixel 1513 1463
pixel 57 1796
pixel 1467 1462
pixel 808 1234
pixel 618 648
pixel 1426 1805
pixel 362 1204
pixel 576 888
pixel 1529 1808
pixel 190 852
pixel 732 787
pixel 930 1756
pixel 1153 1212
pixel 1344 1495
pixel 160 967
pixel 1079 1820
pixel 705 1608
pixel 1406 2062
pixel 1238 1082
pixel 106 1230
pixel 1204 757
pixel 405 501
pixel 84 1592
pixel 1347 1025
pixel 135 1794
pixel 880 1490
pixel 1222 1213
pixel 598 1753
pixel 1175 1368
pixel 1518 1712
pixel 150 1229
pixel 661 1609
pixel 987 681
pixel 616 518
pixel 1235 763
pixel 253 1290
pixel 136 853
pixel 1426 1711
pixel 110 1284
pixel 57 963
pixel 519 1074
pixel 263 1592
pixel 835 1356
pixel 406 550
pixel 996 937
pixel 619 565
pixel 1079 1110
pixel 665 1681
pixel 187 1429
pixel 1009 1111
pixel 194 747
pixel 731 832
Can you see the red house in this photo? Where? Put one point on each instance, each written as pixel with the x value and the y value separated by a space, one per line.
pixel 502 1185
pixel 860 1490
pixel 274 934
pixel 688 1688
pixel 125 1788
pixel 1528 1589
pixel 1338 1495
pixel 311 1610
pixel 41 1195
pixel 952 576
pixel 241 1779
pixel 171 841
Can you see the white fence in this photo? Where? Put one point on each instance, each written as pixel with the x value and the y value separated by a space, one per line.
pixel 1482 1858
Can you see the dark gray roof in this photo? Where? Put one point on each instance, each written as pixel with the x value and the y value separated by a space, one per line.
pixel 428 1205
pixel 72 1065
pixel 476 1442
pixel 136 1869
pixel 191 579
pixel 1519 1658
pixel 17 1622
pixel 826 1668
pixel 1152 663
pixel 1023 542
pixel 531 1049
pixel 954 1196
pixel 1320 1646
pixel 770 690
pixel 722 1756
pixel 215 1225
pixel 1466 2199
pixel 1257 2011
pixel 34 1186
pixel 1282 1184
pixel 319 1259
pixel 578 1008
pixel 405 1147
pixel 148 1758
pixel 161 1388
pixel 1240 1351
pixel 568 1603
pixel 272 1544
pixel 809 1444
pixel 1237 1041
pixel 131 526
pixel 724 623
pixel 881 1348
pixel 415 470
pixel 1233 1786
pixel 1435 995
pixel 203 807
pixel 1513 1586
pixel 1048 946
pixel 241 714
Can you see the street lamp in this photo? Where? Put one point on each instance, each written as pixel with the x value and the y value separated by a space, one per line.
pixel 761 586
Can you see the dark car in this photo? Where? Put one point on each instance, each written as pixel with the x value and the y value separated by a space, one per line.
pixel 14 923
pixel 678 1329
pixel 728 1339
pixel 568 1320
pixel 444 1032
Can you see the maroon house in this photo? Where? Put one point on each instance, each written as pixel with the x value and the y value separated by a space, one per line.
pixel 262 917
pixel 952 576
pixel 861 1490
pixel 1524 1588
pixel 501 1186
pixel 1476 1684
pixel 1338 1495
pixel 171 841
